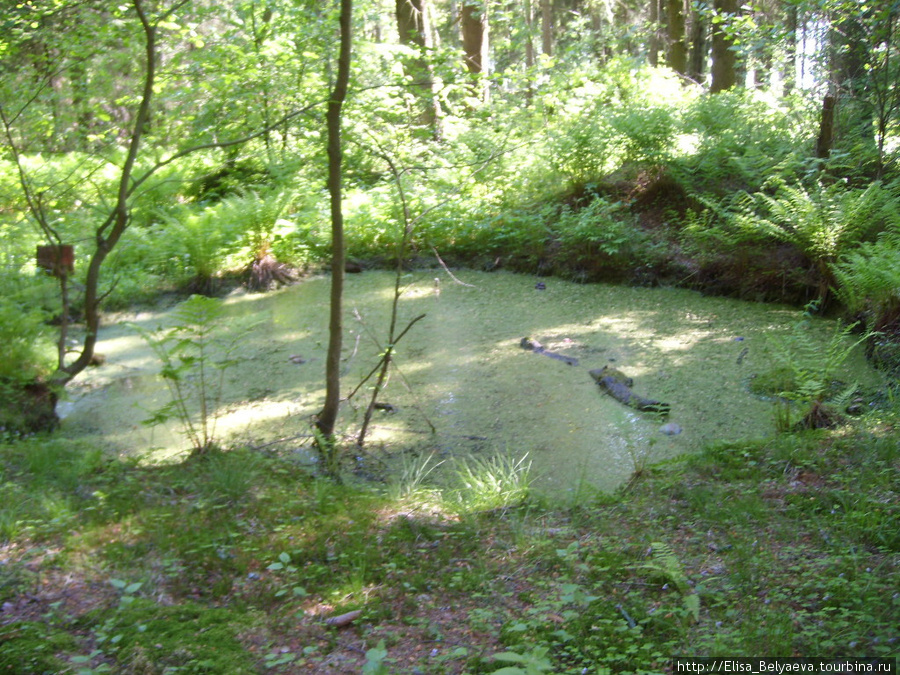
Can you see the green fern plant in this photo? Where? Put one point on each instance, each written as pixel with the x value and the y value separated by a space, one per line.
pixel 665 563
pixel 202 241
pixel 823 222
pixel 257 217
pixel 868 280
pixel 815 373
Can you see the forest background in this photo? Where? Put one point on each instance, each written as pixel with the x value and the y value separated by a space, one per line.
pixel 747 150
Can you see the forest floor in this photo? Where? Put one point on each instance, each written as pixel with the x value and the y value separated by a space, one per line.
pixel 242 562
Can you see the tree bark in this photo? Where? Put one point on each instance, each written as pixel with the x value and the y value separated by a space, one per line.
pixel 529 35
pixel 412 29
pixel 327 418
pixel 546 28
pixel 472 20
pixel 851 54
pixel 653 45
pixel 724 73
pixel 825 141
pixel 677 53
pixel 697 59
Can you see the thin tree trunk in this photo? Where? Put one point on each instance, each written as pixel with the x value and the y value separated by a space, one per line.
pixel 789 74
pixel 529 48
pixel 111 231
pixel 328 416
pixel 529 35
pixel 653 46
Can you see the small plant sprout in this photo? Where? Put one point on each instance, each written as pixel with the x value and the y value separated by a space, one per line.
pixel 195 354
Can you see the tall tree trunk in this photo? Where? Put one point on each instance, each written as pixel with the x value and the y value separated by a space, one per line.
pixel 529 34
pixel 653 45
pixel 789 68
pixel 328 416
pixel 697 59
pixel 724 73
pixel 529 49
pixel 546 28
pixel 677 52
pixel 412 28
pixel 474 28
pixel 472 22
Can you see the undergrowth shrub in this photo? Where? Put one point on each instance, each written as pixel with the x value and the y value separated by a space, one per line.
pixel 822 221
pixel 584 149
pixel 647 133
pixel 740 139
pixel 26 357
pixel 195 352
pixel 24 342
pixel 599 240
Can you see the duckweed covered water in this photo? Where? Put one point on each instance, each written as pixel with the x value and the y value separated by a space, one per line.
pixel 462 370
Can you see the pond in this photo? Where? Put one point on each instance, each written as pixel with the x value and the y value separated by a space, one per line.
pixel 461 371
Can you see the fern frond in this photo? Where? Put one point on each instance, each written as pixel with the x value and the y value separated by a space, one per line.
pixel 869 279
pixel 665 561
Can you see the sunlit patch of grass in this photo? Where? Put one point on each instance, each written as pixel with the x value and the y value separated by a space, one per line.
pixel 489 483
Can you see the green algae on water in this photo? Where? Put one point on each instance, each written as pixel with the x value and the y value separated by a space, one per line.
pixel 462 371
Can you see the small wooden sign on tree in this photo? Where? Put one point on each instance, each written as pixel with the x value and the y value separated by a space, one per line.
pixel 57 259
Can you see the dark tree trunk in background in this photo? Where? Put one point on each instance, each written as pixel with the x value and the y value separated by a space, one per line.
pixel 677 51
pixel 328 416
pixel 724 59
pixel 825 141
pixel 529 29
pixel 653 45
pixel 697 61
pixel 410 22
pixel 546 28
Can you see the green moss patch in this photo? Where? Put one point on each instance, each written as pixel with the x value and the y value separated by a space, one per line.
pixel 31 647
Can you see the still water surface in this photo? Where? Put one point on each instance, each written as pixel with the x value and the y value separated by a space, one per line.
pixel 461 369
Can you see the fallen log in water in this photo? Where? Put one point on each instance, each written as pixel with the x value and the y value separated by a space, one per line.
pixel 618 385
pixel 538 348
